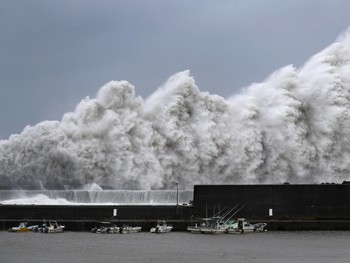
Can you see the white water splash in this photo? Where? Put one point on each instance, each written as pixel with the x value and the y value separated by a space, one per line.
pixel 35 200
pixel 96 197
pixel 293 127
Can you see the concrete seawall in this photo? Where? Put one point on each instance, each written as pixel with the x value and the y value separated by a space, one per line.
pixel 283 207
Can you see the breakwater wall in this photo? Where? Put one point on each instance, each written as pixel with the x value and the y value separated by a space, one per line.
pixel 283 207
pixel 276 202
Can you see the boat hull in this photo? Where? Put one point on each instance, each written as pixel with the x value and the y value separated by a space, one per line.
pixel 131 230
pixel 212 231
pixel 194 230
pixel 18 230
pixel 161 230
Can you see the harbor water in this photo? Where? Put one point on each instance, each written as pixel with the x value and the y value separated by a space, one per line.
pixel 269 247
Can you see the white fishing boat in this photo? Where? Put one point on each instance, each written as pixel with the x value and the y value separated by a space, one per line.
pixel 53 227
pixel 216 224
pixel 260 227
pixel 161 227
pixel 213 226
pixel 242 226
pixel 106 228
pixel 196 229
pixel 130 229
pixel 114 230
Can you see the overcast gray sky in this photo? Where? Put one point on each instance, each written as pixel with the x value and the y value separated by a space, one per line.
pixel 55 53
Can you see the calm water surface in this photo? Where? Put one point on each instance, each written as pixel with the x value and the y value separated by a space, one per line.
pixel 269 247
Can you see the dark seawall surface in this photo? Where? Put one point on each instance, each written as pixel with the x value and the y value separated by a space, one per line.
pixel 276 202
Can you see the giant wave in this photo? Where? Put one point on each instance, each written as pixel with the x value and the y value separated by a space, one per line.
pixel 293 127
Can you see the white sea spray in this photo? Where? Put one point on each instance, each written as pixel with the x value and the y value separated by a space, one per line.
pixel 293 127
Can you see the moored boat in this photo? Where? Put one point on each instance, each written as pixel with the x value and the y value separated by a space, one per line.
pixel 210 225
pixel 105 228
pixel 217 224
pixel 196 229
pixel 21 228
pixel 242 226
pixel 53 227
pixel 130 229
pixel 161 227
pixel 213 226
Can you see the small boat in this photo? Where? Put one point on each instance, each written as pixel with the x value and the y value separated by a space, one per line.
pixel 100 230
pixel 260 227
pixel 210 225
pixel 21 228
pixel 213 226
pixel 33 228
pixel 161 227
pixel 194 229
pixel 106 228
pixel 130 229
pixel 41 229
pixel 242 226
pixel 216 224
pixel 53 227
pixel 114 230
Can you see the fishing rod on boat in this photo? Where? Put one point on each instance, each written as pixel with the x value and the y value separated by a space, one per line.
pixel 218 213
pixel 229 211
pixel 234 213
